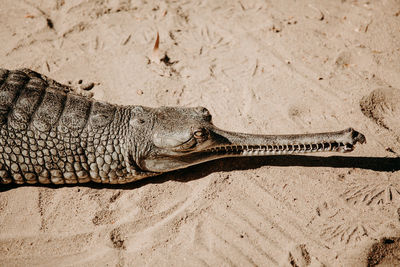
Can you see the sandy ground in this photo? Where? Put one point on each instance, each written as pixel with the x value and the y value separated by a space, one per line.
pixel 259 66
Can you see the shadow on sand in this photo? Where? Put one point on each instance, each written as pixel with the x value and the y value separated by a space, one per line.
pixel 379 164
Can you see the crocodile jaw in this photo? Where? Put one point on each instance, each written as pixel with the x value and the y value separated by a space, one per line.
pixel 224 144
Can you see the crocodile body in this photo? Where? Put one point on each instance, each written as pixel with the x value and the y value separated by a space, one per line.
pixel 49 134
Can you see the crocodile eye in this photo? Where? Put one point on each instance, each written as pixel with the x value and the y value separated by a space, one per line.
pixel 198 134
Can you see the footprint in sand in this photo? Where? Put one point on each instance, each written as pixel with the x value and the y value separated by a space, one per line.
pixel 298 255
pixel 382 106
pixel 385 252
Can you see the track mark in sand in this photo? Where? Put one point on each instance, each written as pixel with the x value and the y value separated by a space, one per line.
pixel 382 106
pixel 225 258
pixel 239 255
pixel 115 196
pixel 346 233
pixel 143 227
pixel 117 239
pixel 296 228
pixel 105 215
pixel 341 225
pixel 203 252
pixel 250 226
pixel 207 249
pixel 385 252
pixel 258 230
pixel 3 203
pixel 343 60
pixel 243 233
pixel 47 209
pixel 239 237
pixel 102 217
pixel 372 194
pixel 46 246
pixel 151 218
pixel 299 256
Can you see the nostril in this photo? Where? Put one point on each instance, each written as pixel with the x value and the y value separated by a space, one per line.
pixel 358 137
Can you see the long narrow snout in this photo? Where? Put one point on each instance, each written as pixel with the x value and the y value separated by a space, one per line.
pixel 240 144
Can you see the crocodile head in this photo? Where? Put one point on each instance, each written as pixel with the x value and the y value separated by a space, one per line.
pixel 180 137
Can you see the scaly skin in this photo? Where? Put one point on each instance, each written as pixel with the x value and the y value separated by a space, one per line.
pixel 49 134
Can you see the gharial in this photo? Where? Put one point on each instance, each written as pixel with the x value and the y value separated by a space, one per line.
pixel 49 134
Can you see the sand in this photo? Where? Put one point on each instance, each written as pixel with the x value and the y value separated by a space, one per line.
pixel 259 66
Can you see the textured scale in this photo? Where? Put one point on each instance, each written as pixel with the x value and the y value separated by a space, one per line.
pixel 50 135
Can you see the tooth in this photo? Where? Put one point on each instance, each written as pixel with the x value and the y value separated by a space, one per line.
pixel 313 147
pixel 319 146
